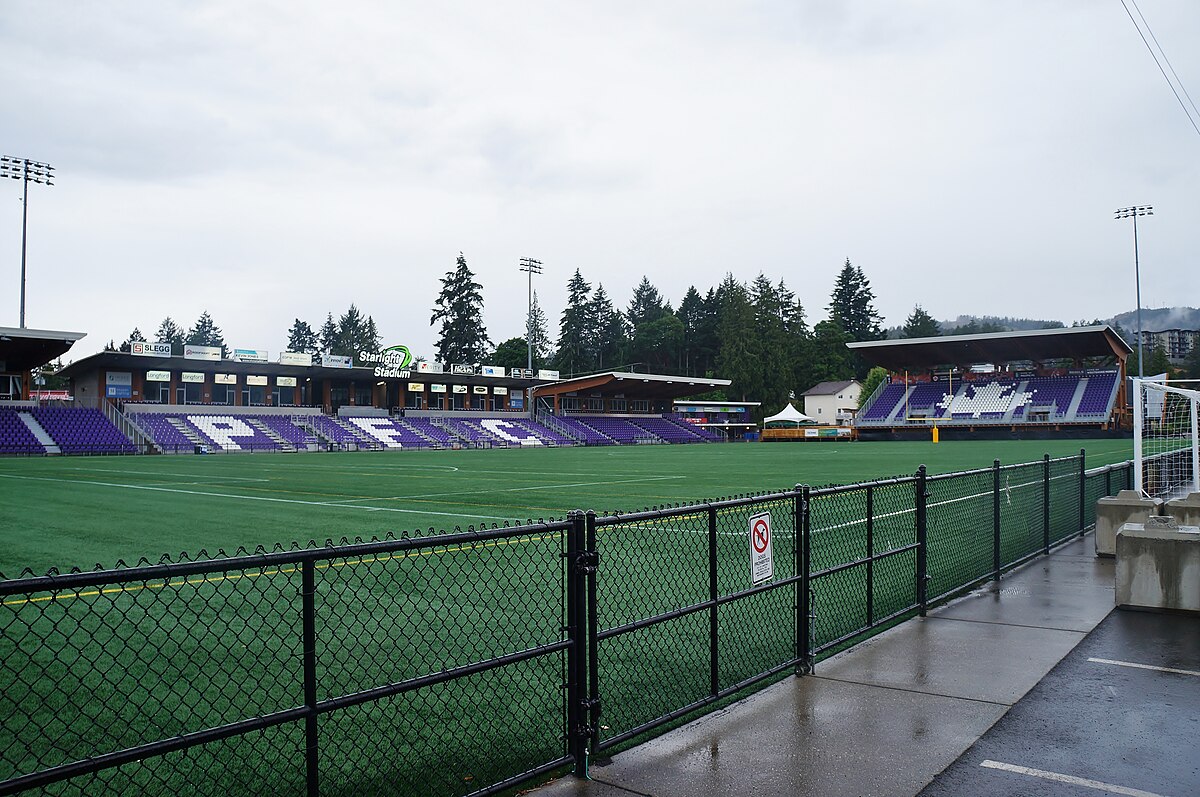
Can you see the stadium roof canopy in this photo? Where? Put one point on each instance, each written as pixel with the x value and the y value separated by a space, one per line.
pixel 1035 345
pixel 647 386
pixel 27 349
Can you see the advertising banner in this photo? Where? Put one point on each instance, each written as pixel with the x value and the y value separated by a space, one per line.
pixel 295 358
pixel 256 380
pixel 437 388
pixel 224 379
pixel 158 376
pixel 491 370
pixel 552 375
pixel 426 367
pixel 118 384
pixel 516 401
pixel 192 378
pixel 500 391
pixel 462 369
pixel 416 387
pixel 194 352
pixel 479 390
pixel 285 381
pixel 459 388
pixel 249 355
pixel 521 373
pixel 336 361
pixel 147 349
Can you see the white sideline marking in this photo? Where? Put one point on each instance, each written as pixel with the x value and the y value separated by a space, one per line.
pixel 201 476
pixel 516 489
pixel 1070 779
pixel 331 504
pixel 1145 666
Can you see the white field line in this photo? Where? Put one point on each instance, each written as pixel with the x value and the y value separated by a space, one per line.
pixel 331 504
pixel 200 477
pixel 1058 777
pixel 516 489
pixel 1135 665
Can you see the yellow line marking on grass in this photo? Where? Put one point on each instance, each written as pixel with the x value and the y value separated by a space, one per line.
pixel 361 560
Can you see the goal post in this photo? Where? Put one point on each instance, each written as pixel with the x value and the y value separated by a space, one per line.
pixel 1166 448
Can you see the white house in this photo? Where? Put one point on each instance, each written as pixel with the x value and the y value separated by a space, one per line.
pixel 833 403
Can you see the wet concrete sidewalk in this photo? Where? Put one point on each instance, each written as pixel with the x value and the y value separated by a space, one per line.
pixel 887 716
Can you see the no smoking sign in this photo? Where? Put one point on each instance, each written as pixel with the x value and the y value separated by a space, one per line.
pixel 762 561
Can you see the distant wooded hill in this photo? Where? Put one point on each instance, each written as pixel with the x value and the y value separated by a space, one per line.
pixel 1153 319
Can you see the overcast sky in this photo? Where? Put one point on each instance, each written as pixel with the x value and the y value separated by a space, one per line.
pixel 271 160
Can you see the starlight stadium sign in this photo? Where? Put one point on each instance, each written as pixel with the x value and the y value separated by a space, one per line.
pixel 391 362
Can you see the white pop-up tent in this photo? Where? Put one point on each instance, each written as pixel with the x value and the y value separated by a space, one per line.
pixel 789 416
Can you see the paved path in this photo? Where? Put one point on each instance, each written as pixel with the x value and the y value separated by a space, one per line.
pixel 888 716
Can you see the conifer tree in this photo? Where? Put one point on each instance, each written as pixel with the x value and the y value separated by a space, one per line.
pixel 539 335
pixel 206 333
pixel 462 338
pixel 920 324
pixel 301 338
pixel 327 337
pixel 575 328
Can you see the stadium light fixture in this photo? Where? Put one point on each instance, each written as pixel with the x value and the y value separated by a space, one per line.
pixel 1133 213
pixel 530 267
pixel 29 172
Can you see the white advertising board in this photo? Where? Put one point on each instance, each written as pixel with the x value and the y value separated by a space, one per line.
pixel 145 348
pixel 194 352
pixel 295 358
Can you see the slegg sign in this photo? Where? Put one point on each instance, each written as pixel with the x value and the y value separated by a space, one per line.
pixel 392 362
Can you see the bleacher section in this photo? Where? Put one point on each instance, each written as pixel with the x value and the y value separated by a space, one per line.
pixel 82 431
pixel 1087 398
pixel 15 436
pixel 668 430
pixel 78 430
pixel 165 434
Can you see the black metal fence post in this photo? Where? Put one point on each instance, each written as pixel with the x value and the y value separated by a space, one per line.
pixel 870 555
pixel 1108 481
pixel 922 519
pixel 1082 489
pixel 1046 503
pixel 996 520
pixel 714 683
pixel 803 553
pixel 593 631
pixel 308 592
pixel 576 587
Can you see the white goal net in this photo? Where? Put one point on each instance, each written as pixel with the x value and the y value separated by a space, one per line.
pixel 1166 453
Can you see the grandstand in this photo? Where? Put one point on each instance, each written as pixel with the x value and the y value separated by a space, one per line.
pixel 150 401
pixel 1058 382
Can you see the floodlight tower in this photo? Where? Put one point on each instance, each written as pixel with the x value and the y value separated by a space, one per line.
pixel 1133 213
pixel 530 267
pixel 29 172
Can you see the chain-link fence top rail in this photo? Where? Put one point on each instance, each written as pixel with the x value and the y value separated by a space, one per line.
pixel 417 648
pixel 438 664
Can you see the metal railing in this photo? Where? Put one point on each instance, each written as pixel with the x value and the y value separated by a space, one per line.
pixel 472 662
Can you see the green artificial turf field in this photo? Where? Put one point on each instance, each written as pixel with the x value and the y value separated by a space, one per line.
pixel 89 671
pixel 80 511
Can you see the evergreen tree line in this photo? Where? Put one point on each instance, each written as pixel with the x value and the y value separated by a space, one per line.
pixel 755 334
pixel 203 333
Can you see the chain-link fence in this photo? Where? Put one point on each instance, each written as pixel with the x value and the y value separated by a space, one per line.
pixel 471 662
pixel 422 666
